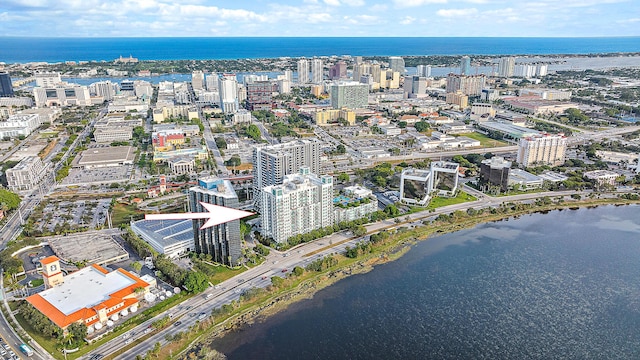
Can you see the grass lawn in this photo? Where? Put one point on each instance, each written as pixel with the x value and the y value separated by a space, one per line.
pixel 122 214
pixel 48 344
pixel 50 134
pixel 518 192
pixel 218 274
pixel 485 141
pixel 36 282
pixel 462 197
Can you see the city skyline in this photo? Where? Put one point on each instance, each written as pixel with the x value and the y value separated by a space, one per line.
pixel 360 18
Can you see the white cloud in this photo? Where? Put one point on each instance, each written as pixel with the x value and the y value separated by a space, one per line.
pixel 332 2
pixel 456 12
pixel 354 2
pixel 414 3
pixel 361 19
pixel 215 12
pixel 407 20
pixel 378 8
pixel 626 21
pixel 318 18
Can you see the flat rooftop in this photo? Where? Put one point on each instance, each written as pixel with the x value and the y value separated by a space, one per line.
pixel 515 131
pixel 94 247
pixel 106 155
pixel 167 232
pixel 85 288
pixel 523 176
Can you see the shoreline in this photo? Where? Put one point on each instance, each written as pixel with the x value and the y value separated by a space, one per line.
pixel 397 245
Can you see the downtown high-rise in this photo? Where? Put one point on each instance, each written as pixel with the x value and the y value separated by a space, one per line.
pixel 228 88
pixel 222 241
pixel 465 65
pixel 271 163
pixel 303 71
pixel 301 204
pixel 316 71
pixel 6 87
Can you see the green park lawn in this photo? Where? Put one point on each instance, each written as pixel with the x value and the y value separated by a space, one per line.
pixel 485 141
pixel 462 197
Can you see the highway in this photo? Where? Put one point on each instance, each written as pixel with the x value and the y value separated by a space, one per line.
pixel 189 311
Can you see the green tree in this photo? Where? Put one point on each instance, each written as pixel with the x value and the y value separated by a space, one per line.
pixel 10 199
pixel 343 177
pixel 136 266
pixel 233 161
pixel 196 281
pixel 391 210
pixel 340 149
pixel 276 281
pixel 221 143
pixel 253 132
pixel 297 271
pixel 421 126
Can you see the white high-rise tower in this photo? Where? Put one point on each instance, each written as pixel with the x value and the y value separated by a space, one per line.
pixel 316 71
pixel 303 71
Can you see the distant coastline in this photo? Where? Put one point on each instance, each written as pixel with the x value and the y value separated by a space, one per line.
pixel 52 50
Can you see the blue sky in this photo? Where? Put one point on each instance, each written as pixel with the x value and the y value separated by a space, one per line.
pixel 148 18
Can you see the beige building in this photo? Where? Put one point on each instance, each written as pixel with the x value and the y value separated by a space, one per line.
pixel 324 117
pixel 544 149
pixel 166 112
pixel 602 177
pixel 458 98
pixel 468 84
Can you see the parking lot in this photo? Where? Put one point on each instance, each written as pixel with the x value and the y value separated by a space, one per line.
pixel 57 215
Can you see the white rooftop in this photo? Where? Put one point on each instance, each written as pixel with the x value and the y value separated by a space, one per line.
pixel 85 288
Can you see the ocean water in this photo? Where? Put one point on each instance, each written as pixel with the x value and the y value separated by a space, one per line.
pixel 562 285
pixel 20 50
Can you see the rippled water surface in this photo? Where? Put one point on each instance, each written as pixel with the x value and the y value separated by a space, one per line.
pixel 565 285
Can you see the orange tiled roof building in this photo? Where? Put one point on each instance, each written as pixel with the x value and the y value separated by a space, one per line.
pixel 90 295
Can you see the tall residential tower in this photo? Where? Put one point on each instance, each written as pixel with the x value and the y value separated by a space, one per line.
pixel 271 163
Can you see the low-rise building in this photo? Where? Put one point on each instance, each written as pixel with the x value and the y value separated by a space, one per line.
pixel 390 130
pixel 91 295
pixel 182 165
pixel 105 157
pixel 355 202
pixel 525 180
pixel 19 125
pixel 27 174
pixel 111 133
pixel 173 238
pixel 62 95
pixel 242 116
pixel 602 177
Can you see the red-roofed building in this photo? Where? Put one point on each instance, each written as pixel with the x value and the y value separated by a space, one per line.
pixel 90 295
